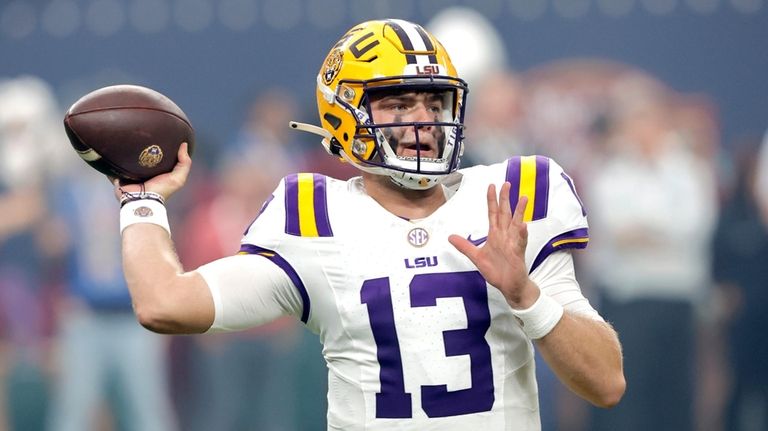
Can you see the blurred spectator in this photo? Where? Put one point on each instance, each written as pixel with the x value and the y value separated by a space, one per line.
pixel 265 139
pixel 104 356
pixel 249 380
pixel 740 269
pixel 652 209
pixel 29 144
pixel 493 126
pixel 566 103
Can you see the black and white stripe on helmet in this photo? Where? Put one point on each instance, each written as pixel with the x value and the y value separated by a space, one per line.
pixel 415 40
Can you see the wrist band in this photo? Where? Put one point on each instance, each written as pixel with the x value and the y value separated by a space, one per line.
pixel 144 211
pixel 540 318
pixel 126 197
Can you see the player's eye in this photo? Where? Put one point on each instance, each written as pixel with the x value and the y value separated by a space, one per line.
pixel 435 108
pixel 397 105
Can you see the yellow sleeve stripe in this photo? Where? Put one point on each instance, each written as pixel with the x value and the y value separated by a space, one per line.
pixel 307 226
pixel 528 184
pixel 529 176
pixel 569 241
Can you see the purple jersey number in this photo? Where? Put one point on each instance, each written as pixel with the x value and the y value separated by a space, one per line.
pixel 437 400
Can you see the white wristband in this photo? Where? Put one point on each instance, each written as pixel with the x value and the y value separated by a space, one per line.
pixel 540 318
pixel 144 211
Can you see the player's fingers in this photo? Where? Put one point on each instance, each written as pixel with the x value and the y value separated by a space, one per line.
pixel 493 208
pixel 505 210
pixel 464 246
pixel 523 235
pixel 183 154
pixel 116 186
pixel 167 184
pixel 522 203
pixel 181 170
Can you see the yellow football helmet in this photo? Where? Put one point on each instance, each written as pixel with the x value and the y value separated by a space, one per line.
pixel 390 57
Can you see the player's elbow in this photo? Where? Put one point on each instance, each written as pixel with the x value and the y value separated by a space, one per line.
pixel 157 312
pixel 155 317
pixel 176 306
pixel 612 393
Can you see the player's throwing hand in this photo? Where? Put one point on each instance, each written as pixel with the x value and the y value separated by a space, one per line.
pixel 164 184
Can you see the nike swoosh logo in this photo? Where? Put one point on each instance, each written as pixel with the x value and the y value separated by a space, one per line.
pixel 477 241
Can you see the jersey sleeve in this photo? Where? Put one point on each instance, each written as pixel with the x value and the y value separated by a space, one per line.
pixel 248 291
pixel 555 215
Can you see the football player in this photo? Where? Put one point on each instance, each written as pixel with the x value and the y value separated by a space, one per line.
pixel 427 284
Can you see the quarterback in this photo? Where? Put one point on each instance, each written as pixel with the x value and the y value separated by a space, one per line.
pixel 427 284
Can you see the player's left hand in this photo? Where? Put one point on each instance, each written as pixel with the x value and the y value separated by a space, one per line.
pixel 501 260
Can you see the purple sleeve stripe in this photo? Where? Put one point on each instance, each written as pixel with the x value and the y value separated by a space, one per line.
pixel 292 205
pixel 321 206
pixel 577 238
pixel 573 189
pixel 541 200
pixel 287 268
pixel 539 191
pixel 513 177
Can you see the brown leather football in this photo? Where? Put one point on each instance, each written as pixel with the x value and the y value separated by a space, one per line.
pixel 128 131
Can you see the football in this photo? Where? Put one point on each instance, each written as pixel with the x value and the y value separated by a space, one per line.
pixel 127 131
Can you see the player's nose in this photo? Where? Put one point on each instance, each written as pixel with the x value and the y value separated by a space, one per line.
pixel 423 114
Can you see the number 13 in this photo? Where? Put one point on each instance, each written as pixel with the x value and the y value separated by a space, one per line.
pixel 436 400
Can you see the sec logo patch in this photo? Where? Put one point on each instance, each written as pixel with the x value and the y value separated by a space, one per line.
pixel 418 237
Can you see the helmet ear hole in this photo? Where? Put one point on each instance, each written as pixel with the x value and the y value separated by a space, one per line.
pixel 346 137
pixel 333 120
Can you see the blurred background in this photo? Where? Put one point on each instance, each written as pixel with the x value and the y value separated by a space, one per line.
pixel 656 108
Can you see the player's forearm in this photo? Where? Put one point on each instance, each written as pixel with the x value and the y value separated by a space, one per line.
pixel 165 299
pixel 586 355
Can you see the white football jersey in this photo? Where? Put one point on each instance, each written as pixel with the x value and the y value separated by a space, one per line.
pixel 414 337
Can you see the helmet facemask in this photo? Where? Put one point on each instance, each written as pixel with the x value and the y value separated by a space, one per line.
pixel 414 128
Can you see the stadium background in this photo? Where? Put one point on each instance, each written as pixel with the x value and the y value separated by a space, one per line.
pixel 215 57
pixel 211 56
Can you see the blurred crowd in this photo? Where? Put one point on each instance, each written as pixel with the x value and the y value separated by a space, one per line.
pixel 679 241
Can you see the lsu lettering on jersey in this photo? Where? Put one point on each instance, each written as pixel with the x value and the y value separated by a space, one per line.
pixel 413 336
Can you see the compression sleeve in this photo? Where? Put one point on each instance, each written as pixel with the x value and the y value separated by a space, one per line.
pixel 249 290
pixel 556 277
